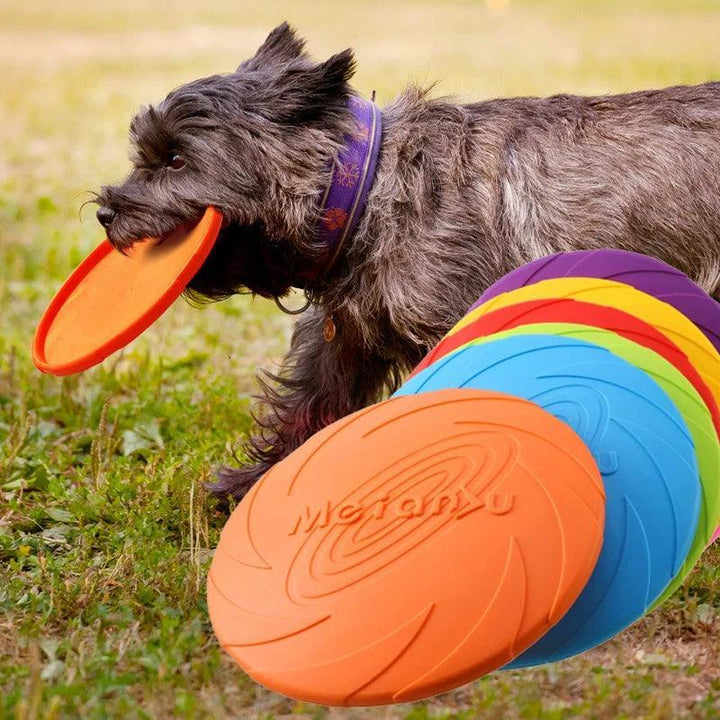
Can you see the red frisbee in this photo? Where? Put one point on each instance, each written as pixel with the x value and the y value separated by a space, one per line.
pixel 407 549
pixel 574 311
pixel 111 298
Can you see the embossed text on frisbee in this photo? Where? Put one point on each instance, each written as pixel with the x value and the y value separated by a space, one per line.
pixel 458 504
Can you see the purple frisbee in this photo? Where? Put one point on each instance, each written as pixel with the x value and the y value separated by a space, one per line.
pixel 644 273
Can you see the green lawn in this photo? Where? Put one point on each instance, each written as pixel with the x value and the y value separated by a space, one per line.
pixel 105 529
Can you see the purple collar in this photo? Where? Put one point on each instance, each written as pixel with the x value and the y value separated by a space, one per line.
pixel 343 201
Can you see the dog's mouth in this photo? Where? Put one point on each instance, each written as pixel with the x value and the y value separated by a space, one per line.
pixel 123 241
pixel 243 259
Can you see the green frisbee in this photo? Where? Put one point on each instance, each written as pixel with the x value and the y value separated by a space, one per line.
pixel 689 404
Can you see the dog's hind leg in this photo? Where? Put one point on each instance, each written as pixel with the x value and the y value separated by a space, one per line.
pixel 319 382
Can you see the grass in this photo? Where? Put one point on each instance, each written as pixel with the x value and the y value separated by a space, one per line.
pixel 105 529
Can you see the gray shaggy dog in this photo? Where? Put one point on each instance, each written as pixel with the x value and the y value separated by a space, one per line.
pixel 463 193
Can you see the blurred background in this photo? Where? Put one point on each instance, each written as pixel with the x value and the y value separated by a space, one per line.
pixel 105 528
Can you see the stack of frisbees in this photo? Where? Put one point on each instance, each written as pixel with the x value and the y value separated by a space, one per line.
pixel 545 477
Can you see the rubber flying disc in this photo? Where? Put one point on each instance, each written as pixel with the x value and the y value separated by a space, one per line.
pixel 642 272
pixel 642 447
pixel 573 311
pixel 665 318
pixel 693 410
pixel 111 298
pixel 407 549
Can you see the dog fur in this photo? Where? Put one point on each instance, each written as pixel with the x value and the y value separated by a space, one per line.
pixel 463 193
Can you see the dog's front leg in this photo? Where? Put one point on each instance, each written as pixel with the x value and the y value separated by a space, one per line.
pixel 320 381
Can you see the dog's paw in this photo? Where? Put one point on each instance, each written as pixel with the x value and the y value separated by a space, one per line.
pixel 236 482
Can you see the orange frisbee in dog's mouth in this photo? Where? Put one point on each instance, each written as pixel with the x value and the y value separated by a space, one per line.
pixel 112 298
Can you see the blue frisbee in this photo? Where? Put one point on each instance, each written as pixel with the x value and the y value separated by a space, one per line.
pixel 643 449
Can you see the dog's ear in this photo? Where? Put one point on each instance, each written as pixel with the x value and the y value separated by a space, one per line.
pixel 303 93
pixel 334 74
pixel 280 46
pixel 309 93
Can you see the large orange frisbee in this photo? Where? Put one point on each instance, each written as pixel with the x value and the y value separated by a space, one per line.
pixel 407 549
pixel 111 298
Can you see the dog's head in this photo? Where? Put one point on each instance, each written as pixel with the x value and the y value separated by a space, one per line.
pixel 255 144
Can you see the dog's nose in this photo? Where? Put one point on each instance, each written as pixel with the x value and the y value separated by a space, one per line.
pixel 105 215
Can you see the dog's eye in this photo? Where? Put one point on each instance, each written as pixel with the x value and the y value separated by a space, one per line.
pixel 176 162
